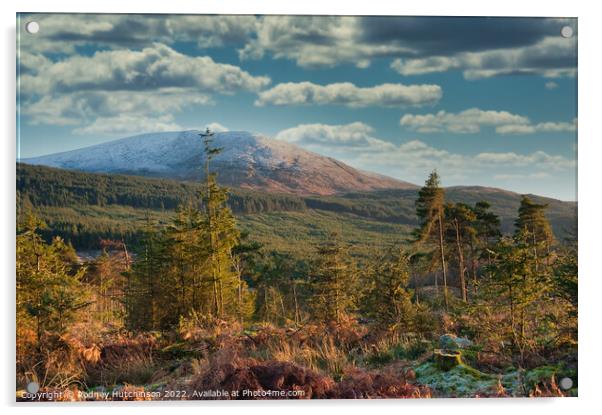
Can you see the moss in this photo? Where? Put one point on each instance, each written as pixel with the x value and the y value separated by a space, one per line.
pixel 447 360
pixel 459 381
pixel 539 374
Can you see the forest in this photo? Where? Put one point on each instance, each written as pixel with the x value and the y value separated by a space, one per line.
pixel 462 304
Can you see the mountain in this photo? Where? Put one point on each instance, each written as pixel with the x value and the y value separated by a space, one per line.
pixel 251 161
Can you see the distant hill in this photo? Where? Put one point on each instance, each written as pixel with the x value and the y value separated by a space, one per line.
pixel 82 207
pixel 250 161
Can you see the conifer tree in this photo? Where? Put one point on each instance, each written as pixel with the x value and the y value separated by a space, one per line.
pixel 222 237
pixel 515 283
pixel 533 226
pixel 49 287
pixel 333 282
pixel 460 219
pixel 388 300
pixel 148 282
pixel 485 233
pixel 430 210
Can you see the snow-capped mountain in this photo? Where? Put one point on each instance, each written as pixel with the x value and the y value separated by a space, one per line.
pixel 247 160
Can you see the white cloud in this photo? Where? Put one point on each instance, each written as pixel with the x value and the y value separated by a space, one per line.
pixel 150 84
pixel 552 57
pixel 412 160
pixel 157 66
pixel 313 41
pixel 471 120
pixel 548 127
pixel 424 65
pixel 425 45
pixel 128 124
pixel 346 93
pixel 64 32
pixel 217 127
pixel 538 158
pixel 551 85
pixel 467 121
pixel 85 107
pixel 538 175
pixel 354 135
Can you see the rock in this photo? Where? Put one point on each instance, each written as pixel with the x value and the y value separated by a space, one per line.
pixel 452 342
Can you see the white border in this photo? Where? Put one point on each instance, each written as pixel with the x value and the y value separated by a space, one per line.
pixel 590 178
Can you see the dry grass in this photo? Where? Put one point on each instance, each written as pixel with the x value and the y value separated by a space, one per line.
pixel 227 370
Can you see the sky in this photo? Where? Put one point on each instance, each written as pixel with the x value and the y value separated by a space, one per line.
pixel 484 101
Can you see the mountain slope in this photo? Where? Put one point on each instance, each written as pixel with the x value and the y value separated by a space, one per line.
pixel 248 161
pixel 81 207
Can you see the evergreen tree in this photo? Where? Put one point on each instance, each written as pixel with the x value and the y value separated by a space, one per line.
pixel 485 233
pixel 516 284
pixel 460 219
pixel 533 227
pixel 430 210
pixel 388 300
pixel 49 287
pixel 222 237
pixel 148 282
pixel 333 283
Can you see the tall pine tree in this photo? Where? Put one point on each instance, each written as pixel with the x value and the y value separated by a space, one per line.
pixel 430 210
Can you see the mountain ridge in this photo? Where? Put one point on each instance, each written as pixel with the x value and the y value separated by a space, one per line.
pixel 247 160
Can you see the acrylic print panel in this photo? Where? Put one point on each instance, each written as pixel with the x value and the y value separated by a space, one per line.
pixel 295 207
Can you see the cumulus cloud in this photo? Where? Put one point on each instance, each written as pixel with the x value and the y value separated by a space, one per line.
pixel 548 127
pixel 157 66
pixel 87 91
pixel 129 124
pixel 538 175
pixel 412 160
pixel 87 106
pixel 467 121
pixel 471 120
pixel 424 44
pixel 314 41
pixel 217 127
pixel 65 32
pixel 354 135
pixel 538 158
pixel 346 93
pixel 552 57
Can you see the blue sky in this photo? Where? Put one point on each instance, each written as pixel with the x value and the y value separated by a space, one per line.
pixel 485 101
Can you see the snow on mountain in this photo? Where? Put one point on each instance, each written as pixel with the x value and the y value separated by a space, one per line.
pixel 247 160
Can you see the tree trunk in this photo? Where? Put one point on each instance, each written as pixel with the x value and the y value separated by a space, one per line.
pixel 473 267
pixel 443 261
pixel 296 303
pixel 460 260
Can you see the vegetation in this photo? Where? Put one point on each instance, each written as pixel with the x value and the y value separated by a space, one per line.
pixel 85 207
pixel 192 301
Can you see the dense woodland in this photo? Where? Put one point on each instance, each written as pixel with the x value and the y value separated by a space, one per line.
pixel 84 207
pixel 459 307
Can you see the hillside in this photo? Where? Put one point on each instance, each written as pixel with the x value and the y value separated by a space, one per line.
pixel 247 160
pixel 83 207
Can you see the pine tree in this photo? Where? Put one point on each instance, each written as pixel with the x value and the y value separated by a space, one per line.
pixel 533 226
pixel 222 238
pixel 430 209
pixel 148 282
pixel 485 233
pixel 388 300
pixel 460 218
pixel 333 283
pixel 514 282
pixel 49 288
